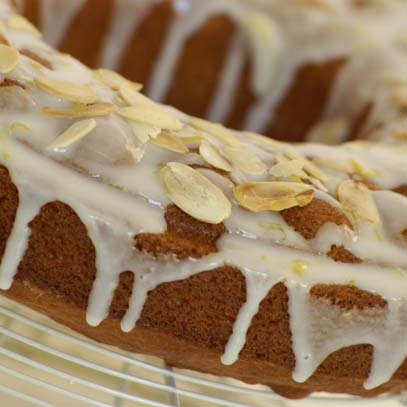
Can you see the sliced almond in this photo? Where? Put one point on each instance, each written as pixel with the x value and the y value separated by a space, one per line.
pixel 22 24
pixel 73 133
pixel 115 80
pixel 290 152
pixel 358 199
pixel 340 166
pixel 132 97
pixel 8 58
pixel 143 132
pixel 194 193
pixel 153 116
pixel 169 142
pixel 287 168
pixel 191 139
pixel 68 90
pixel 216 130
pixel 318 184
pixel 212 156
pixel 97 109
pixel 272 196
pixel 245 159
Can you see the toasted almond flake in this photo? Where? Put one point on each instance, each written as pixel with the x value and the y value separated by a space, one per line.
pixel 115 80
pixel 272 196
pixel 68 90
pixel 287 168
pixel 169 142
pixel 244 159
pixel 132 97
pixel 8 58
pixel 191 139
pixel 73 133
pixel 97 109
pixel 194 193
pixel 143 132
pixel 358 199
pixel 340 166
pixel 153 116
pixel 212 156
pixel 22 24
pixel 318 184
pixel 217 130
pixel 290 152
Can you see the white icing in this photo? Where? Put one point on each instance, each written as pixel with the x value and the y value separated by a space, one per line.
pixel 118 195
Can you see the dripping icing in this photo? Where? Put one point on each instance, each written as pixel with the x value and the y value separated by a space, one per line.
pixel 112 218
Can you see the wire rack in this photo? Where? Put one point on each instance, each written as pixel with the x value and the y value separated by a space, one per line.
pixel 44 364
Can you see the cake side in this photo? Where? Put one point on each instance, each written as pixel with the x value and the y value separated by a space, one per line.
pixel 119 205
pixel 332 58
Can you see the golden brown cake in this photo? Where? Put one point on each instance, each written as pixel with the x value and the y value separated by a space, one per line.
pixel 322 70
pixel 220 251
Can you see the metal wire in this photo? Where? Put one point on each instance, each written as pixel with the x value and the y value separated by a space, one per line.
pixel 43 364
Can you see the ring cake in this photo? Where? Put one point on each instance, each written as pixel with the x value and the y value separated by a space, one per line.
pixel 220 251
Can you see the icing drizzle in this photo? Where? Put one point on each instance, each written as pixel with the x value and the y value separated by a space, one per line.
pixel 119 195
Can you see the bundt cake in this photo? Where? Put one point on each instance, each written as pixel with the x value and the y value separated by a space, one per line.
pixel 220 251
pixel 336 66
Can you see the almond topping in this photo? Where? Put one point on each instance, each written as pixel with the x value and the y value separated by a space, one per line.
pixel 246 160
pixel 212 156
pixel 153 116
pixel 115 80
pixel 68 90
pixel 143 132
pixel 73 133
pixel 132 97
pixel 194 193
pixel 169 142
pixel 97 109
pixel 287 168
pixel 341 166
pixel 8 58
pixel 272 196
pixel 358 199
pixel 217 130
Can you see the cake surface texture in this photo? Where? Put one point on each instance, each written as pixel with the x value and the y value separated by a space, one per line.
pixel 217 250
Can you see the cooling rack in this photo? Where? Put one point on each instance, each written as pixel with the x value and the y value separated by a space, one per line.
pixel 44 364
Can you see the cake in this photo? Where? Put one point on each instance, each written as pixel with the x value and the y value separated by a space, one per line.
pixel 220 251
pixel 268 58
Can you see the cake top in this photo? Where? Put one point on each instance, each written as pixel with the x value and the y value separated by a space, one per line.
pixel 92 140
